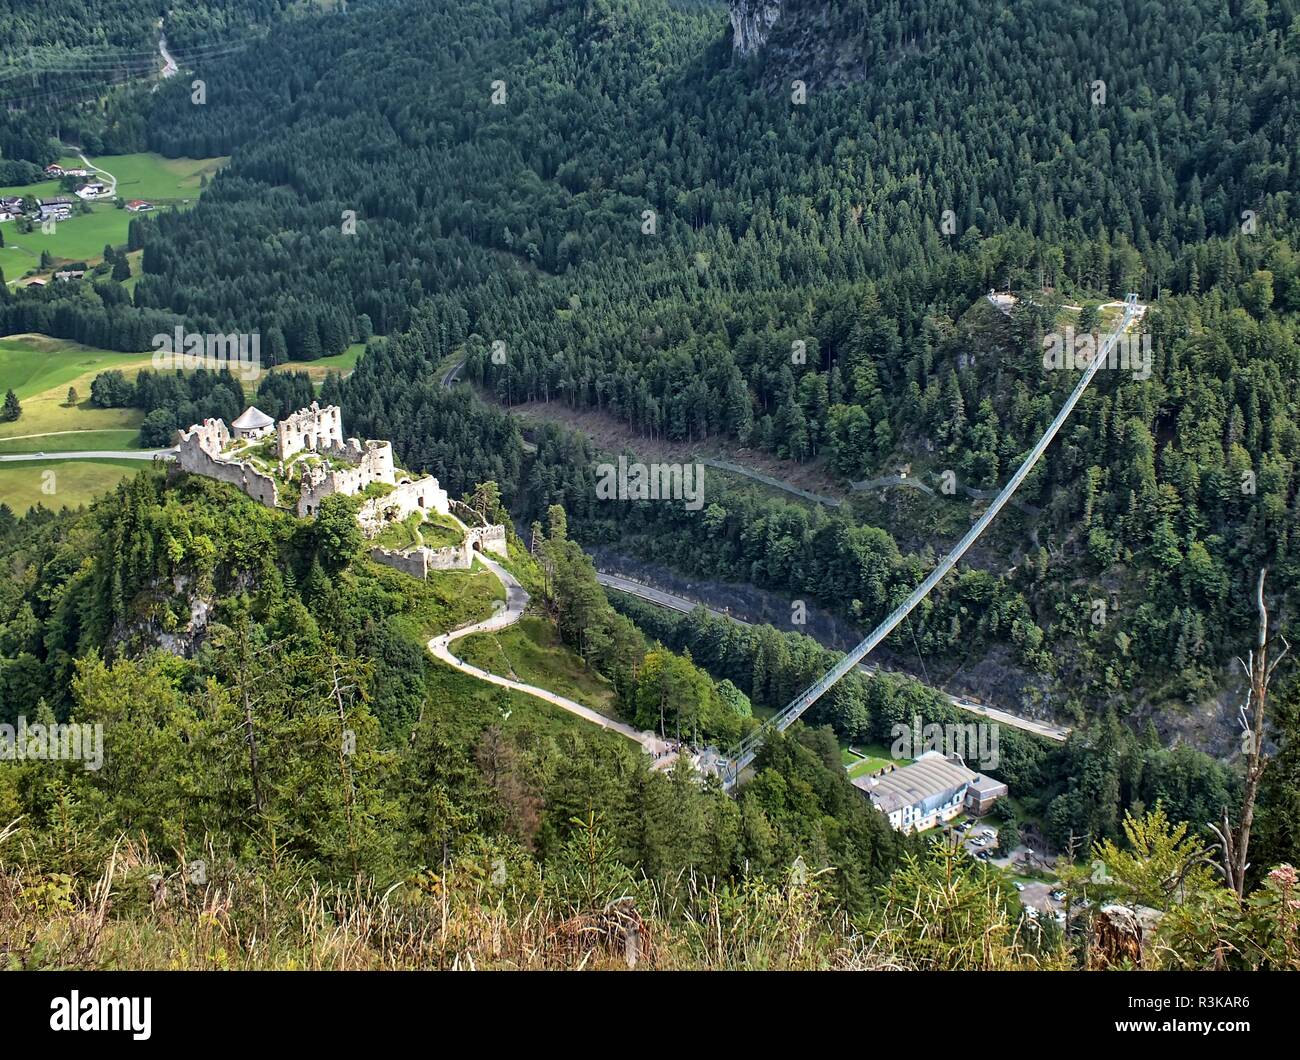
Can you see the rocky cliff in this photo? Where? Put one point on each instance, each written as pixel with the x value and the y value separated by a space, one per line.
pixel 751 23
pixel 818 42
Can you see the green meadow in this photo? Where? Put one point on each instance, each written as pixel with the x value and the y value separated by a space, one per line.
pixel 60 483
pixel 163 181
pixel 40 370
pixel 342 363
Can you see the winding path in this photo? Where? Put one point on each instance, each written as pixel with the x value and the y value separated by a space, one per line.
pixel 516 602
pixel 112 180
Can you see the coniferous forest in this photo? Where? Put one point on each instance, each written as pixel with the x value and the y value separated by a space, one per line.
pixel 675 230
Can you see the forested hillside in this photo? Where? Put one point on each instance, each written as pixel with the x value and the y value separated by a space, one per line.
pixel 602 209
pixel 81 70
pixel 774 223
pixel 230 652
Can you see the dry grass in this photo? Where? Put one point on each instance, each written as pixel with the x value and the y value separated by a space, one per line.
pixel 137 915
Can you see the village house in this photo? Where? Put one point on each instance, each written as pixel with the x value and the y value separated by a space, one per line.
pixel 139 206
pixel 58 208
pixel 93 190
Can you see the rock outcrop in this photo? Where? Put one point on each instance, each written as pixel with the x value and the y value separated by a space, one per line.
pixel 751 23
pixel 817 42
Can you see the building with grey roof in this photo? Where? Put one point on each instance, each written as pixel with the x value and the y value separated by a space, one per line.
pixel 931 790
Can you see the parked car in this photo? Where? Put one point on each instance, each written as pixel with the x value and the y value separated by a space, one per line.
pixel 1019 886
pixel 1058 896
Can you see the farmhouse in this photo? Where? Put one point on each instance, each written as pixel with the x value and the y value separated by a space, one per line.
pixel 139 206
pixel 93 190
pixel 58 208
pixel 931 790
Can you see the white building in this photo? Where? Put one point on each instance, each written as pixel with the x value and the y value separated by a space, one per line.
pixel 930 791
pixel 254 423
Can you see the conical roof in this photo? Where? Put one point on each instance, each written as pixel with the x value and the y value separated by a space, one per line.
pixel 252 419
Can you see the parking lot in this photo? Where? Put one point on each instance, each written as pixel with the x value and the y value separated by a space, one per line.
pixel 979 838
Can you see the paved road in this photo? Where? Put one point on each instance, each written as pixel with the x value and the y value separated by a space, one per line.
pixel 516 601
pixel 93 454
pixel 449 376
pixel 51 434
pixel 660 598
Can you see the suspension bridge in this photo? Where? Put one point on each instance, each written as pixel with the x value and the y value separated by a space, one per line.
pixel 742 755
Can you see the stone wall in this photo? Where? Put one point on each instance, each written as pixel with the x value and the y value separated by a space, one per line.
pixel 421 495
pixel 374 463
pixel 417 562
pixel 312 428
pixel 452 557
pixel 199 450
pixel 489 538
pixel 414 563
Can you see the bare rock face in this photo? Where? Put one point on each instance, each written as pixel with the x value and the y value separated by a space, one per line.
pixel 751 24
pixel 815 42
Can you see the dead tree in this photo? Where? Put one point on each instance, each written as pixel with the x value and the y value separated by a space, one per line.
pixel 1235 843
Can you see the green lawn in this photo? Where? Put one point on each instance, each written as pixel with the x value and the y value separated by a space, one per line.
pixel 40 369
pixel 60 483
pixel 81 238
pixel 73 441
pixel 531 652
pixel 44 190
pixel 160 180
pixel 877 757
